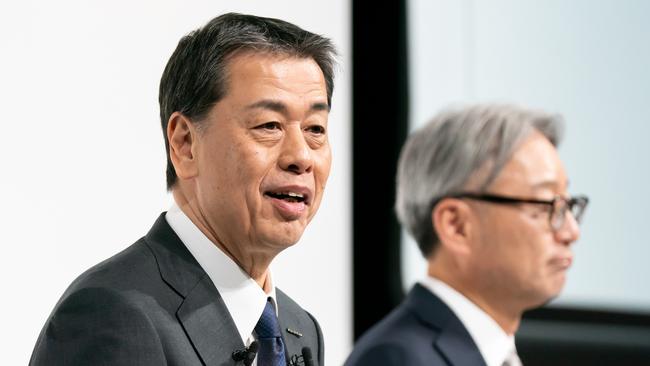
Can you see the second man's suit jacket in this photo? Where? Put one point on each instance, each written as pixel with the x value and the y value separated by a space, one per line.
pixel 153 304
pixel 422 330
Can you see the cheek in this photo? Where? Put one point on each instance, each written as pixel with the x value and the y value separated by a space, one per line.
pixel 253 165
pixel 533 254
pixel 511 243
pixel 322 166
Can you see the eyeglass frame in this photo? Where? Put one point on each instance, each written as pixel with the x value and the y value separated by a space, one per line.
pixel 581 200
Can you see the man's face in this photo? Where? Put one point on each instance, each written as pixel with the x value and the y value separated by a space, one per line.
pixel 263 155
pixel 519 258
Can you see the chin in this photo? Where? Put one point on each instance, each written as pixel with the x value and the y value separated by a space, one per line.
pixel 540 299
pixel 543 295
pixel 551 295
pixel 280 244
pixel 540 303
pixel 284 236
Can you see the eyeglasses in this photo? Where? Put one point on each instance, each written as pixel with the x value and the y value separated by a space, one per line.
pixel 558 205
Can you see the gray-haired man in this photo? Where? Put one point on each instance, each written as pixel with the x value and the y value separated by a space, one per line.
pixel 484 193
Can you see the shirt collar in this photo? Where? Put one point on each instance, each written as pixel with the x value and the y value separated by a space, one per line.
pixel 244 298
pixel 492 341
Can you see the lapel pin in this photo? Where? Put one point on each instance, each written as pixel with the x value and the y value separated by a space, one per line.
pixel 296 333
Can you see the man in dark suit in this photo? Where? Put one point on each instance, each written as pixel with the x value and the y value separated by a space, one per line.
pixel 244 104
pixel 484 193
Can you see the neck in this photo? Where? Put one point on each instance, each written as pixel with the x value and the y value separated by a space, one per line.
pixel 497 309
pixel 255 263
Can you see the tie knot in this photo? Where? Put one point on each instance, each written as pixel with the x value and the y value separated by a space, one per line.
pixel 267 326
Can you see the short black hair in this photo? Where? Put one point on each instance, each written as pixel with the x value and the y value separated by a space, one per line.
pixel 195 76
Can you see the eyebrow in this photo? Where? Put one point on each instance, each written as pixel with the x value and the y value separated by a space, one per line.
pixel 280 107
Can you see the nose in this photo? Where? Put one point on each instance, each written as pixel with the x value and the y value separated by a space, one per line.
pixel 570 230
pixel 296 155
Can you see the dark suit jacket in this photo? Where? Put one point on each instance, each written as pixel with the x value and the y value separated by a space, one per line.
pixel 422 330
pixel 152 304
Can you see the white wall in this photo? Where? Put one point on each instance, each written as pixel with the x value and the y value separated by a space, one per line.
pixel 587 60
pixel 83 157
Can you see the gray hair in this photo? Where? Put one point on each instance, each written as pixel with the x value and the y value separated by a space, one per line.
pixel 460 147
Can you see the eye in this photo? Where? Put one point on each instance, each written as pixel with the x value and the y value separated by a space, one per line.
pixel 316 129
pixel 541 211
pixel 270 126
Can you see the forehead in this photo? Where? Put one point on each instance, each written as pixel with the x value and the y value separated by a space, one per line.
pixel 535 164
pixel 250 74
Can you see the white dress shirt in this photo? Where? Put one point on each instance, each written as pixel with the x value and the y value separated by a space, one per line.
pixel 243 297
pixel 493 342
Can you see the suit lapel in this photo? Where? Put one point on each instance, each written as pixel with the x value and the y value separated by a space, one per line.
pixel 292 342
pixel 457 345
pixel 453 341
pixel 292 325
pixel 202 312
pixel 209 325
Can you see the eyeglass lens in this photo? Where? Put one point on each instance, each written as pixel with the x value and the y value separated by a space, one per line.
pixel 560 207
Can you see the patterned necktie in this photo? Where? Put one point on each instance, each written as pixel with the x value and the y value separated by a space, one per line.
pixel 271 349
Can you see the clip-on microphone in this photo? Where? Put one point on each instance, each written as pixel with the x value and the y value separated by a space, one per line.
pixel 247 354
pixel 303 360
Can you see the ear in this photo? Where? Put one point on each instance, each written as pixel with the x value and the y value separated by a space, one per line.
pixel 182 138
pixel 451 220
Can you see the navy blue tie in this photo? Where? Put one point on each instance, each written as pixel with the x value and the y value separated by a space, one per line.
pixel 271 350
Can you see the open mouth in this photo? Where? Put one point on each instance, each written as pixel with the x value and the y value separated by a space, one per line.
pixel 292 197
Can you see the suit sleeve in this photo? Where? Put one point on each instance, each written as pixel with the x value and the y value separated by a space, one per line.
pixel 97 326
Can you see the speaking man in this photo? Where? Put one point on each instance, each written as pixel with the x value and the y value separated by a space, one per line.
pixel 244 105
pixel 484 193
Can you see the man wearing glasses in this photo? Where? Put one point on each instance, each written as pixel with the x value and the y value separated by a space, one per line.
pixel 484 193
